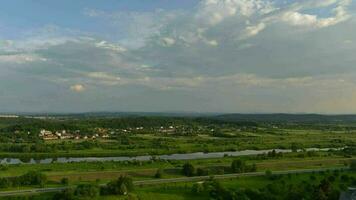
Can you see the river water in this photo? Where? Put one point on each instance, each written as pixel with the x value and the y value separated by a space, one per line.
pixel 185 156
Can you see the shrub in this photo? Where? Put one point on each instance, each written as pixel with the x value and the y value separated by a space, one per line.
pixel 238 166
pixel 121 186
pixel 188 169
pixel 64 181
pixel 158 173
pixel 87 190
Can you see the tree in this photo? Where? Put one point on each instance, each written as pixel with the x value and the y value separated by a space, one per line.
pixel 64 181
pixel 121 186
pixel 268 173
pixel 353 165
pixel 158 173
pixel 197 188
pixel 238 166
pixel 33 178
pixel 202 172
pixel 87 190
pixel 5 183
pixel 188 169
pixel 67 194
pixel 294 147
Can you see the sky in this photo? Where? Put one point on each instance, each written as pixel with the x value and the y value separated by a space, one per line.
pixel 228 56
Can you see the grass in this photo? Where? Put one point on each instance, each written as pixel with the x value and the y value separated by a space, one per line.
pixel 106 171
pixel 158 144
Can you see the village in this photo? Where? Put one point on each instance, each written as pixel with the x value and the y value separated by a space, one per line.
pixel 99 133
pixel 64 135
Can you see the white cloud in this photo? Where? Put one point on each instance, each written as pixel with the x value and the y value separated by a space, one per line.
pixel 139 27
pixel 114 47
pixel 251 31
pixel 77 88
pixel 167 41
pixel 21 58
pixel 213 12
pixel 212 42
pixel 297 18
pixel 103 75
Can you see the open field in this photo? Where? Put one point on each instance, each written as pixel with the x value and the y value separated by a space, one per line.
pixel 105 171
pixel 164 136
pixel 178 189
pixel 159 135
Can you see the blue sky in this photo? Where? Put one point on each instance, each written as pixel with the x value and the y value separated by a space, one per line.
pixel 30 14
pixel 178 55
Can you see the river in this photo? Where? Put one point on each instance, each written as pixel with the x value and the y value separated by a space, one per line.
pixel 185 156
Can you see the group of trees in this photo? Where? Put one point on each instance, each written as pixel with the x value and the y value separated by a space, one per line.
pixel 122 186
pixel 237 166
pixel 31 178
pixel 325 189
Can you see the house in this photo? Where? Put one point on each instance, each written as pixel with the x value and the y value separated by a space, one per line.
pixel 50 137
pixel 65 136
pixel 47 135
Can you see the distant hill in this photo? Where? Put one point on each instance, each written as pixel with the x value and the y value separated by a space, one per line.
pixel 292 118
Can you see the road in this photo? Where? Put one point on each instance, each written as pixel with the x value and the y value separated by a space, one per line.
pixel 171 180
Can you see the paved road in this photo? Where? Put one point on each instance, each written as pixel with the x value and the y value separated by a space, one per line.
pixel 171 180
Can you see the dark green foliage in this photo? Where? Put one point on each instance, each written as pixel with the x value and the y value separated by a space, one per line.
pixel 159 173
pixel 353 165
pixel 31 178
pixel 86 190
pixel 278 190
pixel 67 194
pixel 238 166
pixel 268 174
pixel 122 186
pixel 64 181
pixel 197 188
pixel 188 169
pixel 202 172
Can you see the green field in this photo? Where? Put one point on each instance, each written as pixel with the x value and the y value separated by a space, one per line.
pixel 20 139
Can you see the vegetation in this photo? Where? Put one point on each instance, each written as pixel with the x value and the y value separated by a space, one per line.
pixel 31 178
pixel 129 136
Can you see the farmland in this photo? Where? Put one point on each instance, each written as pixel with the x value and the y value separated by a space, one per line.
pixel 299 145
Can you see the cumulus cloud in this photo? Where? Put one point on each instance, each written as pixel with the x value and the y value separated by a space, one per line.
pixel 297 18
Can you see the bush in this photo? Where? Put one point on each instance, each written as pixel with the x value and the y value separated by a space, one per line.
pixel 202 172
pixel 122 186
pixel 268 174
pixel 34 178
pixel 197 188
pixel 67 194
pixel 238 166
pixel 345 178
pixel 158 173
pixel 353 165
pixel 87 190
pixel 64 181
pixel 188 169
